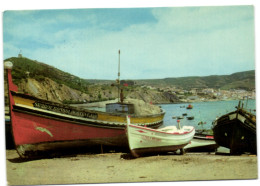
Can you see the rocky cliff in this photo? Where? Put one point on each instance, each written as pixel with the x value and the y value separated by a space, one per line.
pixel 48 89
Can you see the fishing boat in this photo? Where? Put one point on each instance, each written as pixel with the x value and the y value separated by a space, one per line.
pixel 206 134
pixel 201 145
pixel 144 140
pixel 39 125
pixel 202 142
pixel 236 131
pixel 189 106
pixel 190 117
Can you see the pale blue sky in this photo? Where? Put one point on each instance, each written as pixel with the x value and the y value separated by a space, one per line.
pixel 154 42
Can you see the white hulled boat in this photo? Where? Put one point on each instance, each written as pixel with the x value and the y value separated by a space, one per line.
pixel 144 140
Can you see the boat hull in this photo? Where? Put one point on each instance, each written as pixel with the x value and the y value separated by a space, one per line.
pixel 138 152
pixel 144 141
pixel 34 133
pixel 9 141
pixel 237 132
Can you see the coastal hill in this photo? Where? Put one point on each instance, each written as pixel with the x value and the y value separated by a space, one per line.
pixel 240 80
pixel 47 82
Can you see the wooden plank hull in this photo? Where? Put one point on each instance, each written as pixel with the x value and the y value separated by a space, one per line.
pixel 236 131
pixel 9 141
pixel 35 133
pixel 143 140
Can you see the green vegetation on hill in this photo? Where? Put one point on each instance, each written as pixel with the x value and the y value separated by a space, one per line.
pixel 39 71
pixel 240 80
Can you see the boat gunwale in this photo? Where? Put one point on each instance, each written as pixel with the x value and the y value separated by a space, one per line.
pixel 75 119
pixel 154 130
pixel 239 111
pixel 26 96
pixel 250 124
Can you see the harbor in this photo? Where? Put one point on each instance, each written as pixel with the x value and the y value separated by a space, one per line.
pixel 132 95
pixel 96 165
pixel 115 138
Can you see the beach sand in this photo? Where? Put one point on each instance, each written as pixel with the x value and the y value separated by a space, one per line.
pixel 118 167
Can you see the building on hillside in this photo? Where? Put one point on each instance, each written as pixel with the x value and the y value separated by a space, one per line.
pixel 20 54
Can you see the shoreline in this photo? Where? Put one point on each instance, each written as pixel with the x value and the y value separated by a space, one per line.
pixel 115 168
pixel 199 101
pixel 97 104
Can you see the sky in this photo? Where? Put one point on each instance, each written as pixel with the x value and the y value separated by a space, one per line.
pixel 154 42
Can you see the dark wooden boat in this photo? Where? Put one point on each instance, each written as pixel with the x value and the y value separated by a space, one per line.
pixel 39 126
pixel 9 141
pixel 190 117
pixel 236 131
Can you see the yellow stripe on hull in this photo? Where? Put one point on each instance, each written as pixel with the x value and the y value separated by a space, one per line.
pixel 134 119
pixel 104 116
pixel 23 101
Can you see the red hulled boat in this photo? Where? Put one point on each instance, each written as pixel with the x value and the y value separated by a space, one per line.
pixel 39 126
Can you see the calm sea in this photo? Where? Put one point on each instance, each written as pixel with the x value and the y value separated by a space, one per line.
pixel 205 112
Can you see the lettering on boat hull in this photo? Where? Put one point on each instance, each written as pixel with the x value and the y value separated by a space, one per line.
pixel 63 110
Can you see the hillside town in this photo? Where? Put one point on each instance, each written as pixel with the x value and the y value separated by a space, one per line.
pixel 207 94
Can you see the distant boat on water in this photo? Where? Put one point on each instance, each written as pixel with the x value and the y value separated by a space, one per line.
pixel 189 106
pixel 236 131
pixel 190 117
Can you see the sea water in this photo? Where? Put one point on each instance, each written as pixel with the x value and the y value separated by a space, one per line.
pixel 203 112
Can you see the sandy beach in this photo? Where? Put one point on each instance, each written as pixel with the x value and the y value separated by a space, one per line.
pixel 119 167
